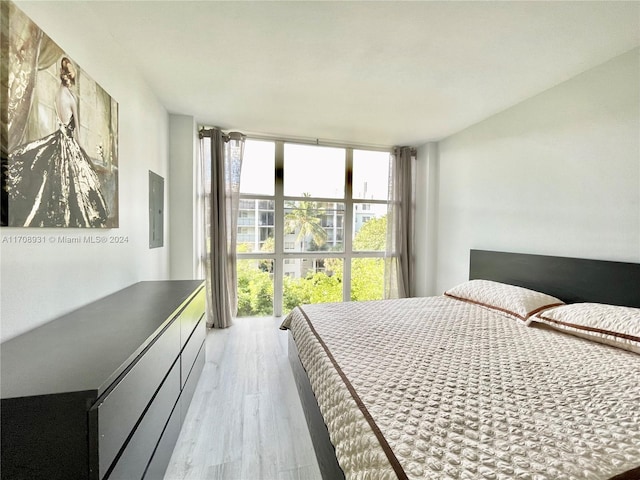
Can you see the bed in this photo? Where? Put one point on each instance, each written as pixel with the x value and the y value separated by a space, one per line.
pixel 462 386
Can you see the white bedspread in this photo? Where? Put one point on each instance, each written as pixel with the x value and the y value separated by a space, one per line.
pixel 435 388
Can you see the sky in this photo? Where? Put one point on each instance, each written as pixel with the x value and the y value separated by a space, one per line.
pixel 312 169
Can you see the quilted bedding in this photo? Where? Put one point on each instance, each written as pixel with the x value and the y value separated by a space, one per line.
pixel 436 388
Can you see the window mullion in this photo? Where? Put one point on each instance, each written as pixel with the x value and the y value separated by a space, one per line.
pixel 278 267
pixel 348 226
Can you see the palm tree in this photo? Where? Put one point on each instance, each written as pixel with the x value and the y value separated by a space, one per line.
pixel 304 218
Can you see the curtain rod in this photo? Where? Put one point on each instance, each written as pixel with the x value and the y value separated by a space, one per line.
pixel 206 132
pixel 412 150
pixel 203 132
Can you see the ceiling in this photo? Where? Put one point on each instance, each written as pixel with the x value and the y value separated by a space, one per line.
pixel 374 73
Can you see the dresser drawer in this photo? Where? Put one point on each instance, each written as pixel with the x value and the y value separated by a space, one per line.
pixel 119 412
pixel 191 315
pixel 191 350
pixel 162 455
pixel 136 456
pixel 189 387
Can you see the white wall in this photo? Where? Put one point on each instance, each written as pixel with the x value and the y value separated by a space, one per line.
pixel 426 212
pixel 41 282
pixel 182 153
pixel 558 174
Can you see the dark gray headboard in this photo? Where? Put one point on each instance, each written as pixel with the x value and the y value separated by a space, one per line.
pixel 569 279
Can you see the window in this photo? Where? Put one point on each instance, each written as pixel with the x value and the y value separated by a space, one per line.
pixel 306 234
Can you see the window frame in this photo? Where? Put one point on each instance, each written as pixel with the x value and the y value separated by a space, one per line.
pixel 280 200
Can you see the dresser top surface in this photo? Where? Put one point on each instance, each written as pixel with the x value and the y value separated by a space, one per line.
pixel 85 349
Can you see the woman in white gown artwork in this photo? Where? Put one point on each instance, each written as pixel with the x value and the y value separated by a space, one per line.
pixel 51 181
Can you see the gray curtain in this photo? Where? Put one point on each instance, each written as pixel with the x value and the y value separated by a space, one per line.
pixel 222 163
pixel 399 261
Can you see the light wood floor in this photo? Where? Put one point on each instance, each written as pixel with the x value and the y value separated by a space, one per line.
pixel 245 421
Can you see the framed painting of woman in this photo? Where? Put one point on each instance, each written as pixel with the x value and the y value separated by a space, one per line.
pixel 59 134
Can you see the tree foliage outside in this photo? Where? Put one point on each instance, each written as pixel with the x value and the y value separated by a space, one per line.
pixel 255 289
pixel 367 279
pixel 255 277
pixel 367 274
pixel 314 288
pixel 304 219
pixel 372 236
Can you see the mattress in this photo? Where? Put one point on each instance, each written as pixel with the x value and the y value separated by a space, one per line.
pixel 437 388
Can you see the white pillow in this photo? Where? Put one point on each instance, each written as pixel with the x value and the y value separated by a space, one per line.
pixel 517 302
pixel 611 324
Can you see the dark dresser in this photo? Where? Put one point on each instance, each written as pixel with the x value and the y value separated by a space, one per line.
pixel 101 393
